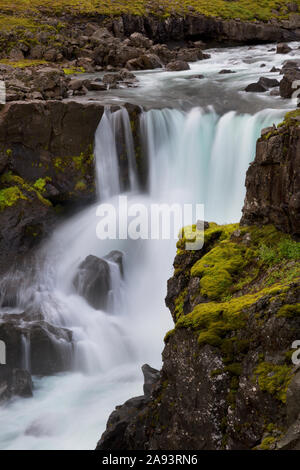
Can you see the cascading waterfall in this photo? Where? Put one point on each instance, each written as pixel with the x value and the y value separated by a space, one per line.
pixel 193 157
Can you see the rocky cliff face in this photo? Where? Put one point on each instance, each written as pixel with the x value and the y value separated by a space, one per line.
pixel 229 379
pixel 273 179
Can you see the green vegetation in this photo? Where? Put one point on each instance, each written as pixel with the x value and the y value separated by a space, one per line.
pixel 73 70
pixel 274 379
pixel 255 10
pixel 267 443
pixel 289 311
pixel 40 184
pixel 22 64
pixel 9 196
pixel 17 188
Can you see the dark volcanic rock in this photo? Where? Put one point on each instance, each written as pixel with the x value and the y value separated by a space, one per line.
pixel 273 182
pixel 92 281
pixel 49 348
pixel 268 82
pixel 256 88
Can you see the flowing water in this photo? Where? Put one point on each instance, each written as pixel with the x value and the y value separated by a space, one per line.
pixel 195 154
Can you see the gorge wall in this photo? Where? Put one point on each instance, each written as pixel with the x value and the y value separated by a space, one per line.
pixel 228 380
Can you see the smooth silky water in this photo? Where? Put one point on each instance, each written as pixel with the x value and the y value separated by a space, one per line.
pixel 196 154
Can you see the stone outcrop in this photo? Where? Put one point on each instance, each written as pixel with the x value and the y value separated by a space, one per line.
pixel 273 180
pixel 46 168
pixel 227 376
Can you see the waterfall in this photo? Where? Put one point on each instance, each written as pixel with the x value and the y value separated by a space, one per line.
pixel 193 157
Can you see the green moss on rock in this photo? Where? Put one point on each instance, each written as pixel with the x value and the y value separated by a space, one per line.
pixel 274 379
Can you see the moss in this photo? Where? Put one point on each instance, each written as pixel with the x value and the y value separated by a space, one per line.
pixel 21 64
pixel 274 379
pixel 9 197
pixel 73 70
pixel 214 320
pixel 168 335
pixel 289 311
pixel 290 119
pixel 16 181
pixel 40 184
pixel 267 443
pixel 80 186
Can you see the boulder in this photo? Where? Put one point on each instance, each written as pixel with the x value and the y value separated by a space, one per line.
pixel 225 71
pixel 290 82
pixel 256 88
pixel 139 40
pixel 191 55
pixel 177 65
pixel 283 48
pixel 49 349
pixel 92 281
pixel 116 257
pixel 144 62
pixel 268 82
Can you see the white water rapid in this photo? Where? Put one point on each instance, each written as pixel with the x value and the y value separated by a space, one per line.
pixel 194 156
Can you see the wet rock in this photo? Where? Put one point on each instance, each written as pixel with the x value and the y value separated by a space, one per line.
pixel 290 82
pixel 14 382
pixel 92 281
pixel 255 88
pixel 116 257
pixel 49 348
pixel 283 48
pixel 274 69
pixel 177 65
pixel 225 71
pixel 268 82
pixel 144 62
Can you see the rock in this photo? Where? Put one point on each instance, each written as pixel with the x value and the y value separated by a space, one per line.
pixel 177 65
pixel 116 257
pixel 96 86
pixel 14 382
pixel 274 69
pixel 283 48
pixel 199 77
pixel 144 62
pixel 114 436
pixel 139 40
pixel 75 84
pixel 289 83
pixel 224 71
pixel 191 55
pixel 256 88
pixel 164 53
pixel 276 164
pixel 268 82
pixel 36 52
pixel 151 377
pixel 49 348
pixel 92 281
pixel 275 92
pixel 16 54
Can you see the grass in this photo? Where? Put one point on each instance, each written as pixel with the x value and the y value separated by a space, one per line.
pixel 22 10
